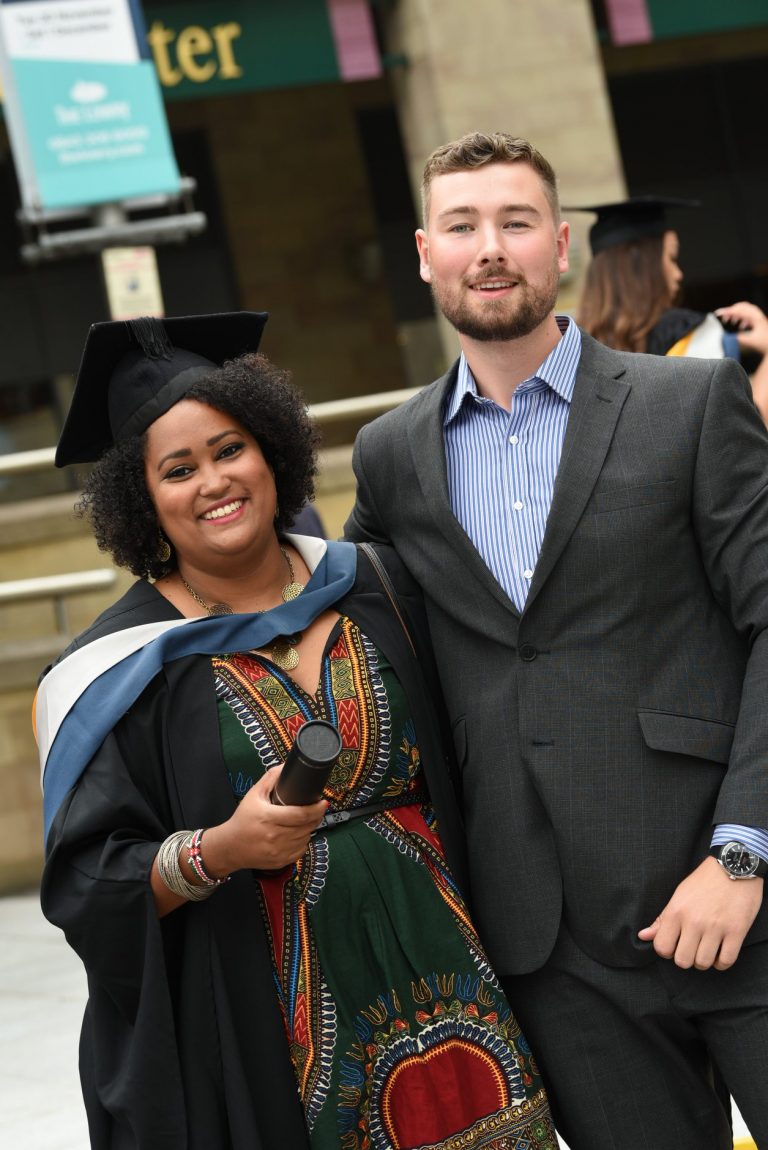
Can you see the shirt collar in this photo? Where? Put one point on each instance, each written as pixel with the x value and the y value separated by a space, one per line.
pixel 558 370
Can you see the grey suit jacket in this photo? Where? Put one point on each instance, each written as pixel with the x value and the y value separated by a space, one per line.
pixel 603 731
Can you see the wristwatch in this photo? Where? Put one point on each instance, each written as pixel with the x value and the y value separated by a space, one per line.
pixel 738 861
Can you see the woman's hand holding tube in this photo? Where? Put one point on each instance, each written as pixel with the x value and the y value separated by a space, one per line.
pixel 260 835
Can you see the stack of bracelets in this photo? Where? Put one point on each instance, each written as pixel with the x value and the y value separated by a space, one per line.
pixel 169 867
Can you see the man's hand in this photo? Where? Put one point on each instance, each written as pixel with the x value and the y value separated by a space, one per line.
pixel 705 921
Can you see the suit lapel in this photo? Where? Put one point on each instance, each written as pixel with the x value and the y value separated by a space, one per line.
pixel 598 397
pixel 425 435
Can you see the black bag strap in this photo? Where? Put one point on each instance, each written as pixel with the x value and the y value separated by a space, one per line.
pixel 389 587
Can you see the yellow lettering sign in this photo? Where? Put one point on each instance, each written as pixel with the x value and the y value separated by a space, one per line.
pixel 200 54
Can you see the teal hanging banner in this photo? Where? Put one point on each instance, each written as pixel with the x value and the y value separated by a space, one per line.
pixel 84 109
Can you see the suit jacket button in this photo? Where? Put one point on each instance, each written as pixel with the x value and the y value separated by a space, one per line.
pixel 527 653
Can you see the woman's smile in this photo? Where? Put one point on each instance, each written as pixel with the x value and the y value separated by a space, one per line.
pixel 224 510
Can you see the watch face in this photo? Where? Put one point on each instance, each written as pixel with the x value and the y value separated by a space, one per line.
pixel 738 860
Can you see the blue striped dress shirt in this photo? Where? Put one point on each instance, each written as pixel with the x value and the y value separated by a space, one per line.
pixel 502 464
pixel 502 467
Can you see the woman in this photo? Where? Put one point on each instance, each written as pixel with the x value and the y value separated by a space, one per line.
pixel 257 978
pixel 634 281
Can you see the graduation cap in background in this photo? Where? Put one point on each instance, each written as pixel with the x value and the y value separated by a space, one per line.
pixel 632 219
pixel 133 371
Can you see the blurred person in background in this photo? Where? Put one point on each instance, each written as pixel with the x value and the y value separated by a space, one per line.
pixel 633 285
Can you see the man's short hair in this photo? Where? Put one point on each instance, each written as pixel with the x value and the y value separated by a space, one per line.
pixel 479 148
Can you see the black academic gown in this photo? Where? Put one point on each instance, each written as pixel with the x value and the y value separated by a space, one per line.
pixel 673 325
pixel 183 1045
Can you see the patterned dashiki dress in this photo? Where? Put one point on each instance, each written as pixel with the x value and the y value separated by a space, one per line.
pixel 399 1033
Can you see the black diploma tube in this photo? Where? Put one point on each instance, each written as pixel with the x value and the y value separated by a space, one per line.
pixel 310 760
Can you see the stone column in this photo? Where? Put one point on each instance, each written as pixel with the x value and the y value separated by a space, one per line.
pixel 530 67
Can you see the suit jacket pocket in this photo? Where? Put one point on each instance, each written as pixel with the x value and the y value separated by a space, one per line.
pixel 644 495
pixel 687 735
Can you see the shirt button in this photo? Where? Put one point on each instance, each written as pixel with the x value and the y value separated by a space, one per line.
pixel 517 505
pixel 527 653
pixel 513 439
pixel 528 574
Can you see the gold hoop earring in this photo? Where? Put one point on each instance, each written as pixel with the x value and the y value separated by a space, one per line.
pixel 277 511
pixel 163 548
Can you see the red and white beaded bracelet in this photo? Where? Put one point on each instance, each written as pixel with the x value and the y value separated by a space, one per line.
pixel 195 859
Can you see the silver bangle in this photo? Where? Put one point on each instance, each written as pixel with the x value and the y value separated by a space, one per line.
pixel 169 868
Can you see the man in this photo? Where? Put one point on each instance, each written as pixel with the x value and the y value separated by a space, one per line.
pixel 590 530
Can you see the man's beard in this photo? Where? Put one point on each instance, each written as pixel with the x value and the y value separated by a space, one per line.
pixel 500 319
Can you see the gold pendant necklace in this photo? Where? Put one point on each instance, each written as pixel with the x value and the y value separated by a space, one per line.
pixel 282 650
pixel 283 653
pixel 292 589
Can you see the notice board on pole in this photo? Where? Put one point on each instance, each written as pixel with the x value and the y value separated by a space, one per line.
pixel 83 104
pixel 132 282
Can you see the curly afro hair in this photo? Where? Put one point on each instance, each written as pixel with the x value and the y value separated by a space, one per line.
pixel 259 396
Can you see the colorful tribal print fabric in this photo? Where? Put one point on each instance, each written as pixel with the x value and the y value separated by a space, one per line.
pixel 399 1033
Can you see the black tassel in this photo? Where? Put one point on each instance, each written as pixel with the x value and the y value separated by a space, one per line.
pixel 151 336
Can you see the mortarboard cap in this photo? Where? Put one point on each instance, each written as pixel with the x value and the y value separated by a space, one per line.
pixel 632 219
pixel 133 371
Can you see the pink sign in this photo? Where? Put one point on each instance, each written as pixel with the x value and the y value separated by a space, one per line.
pixel 628 21
pixel 355 38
